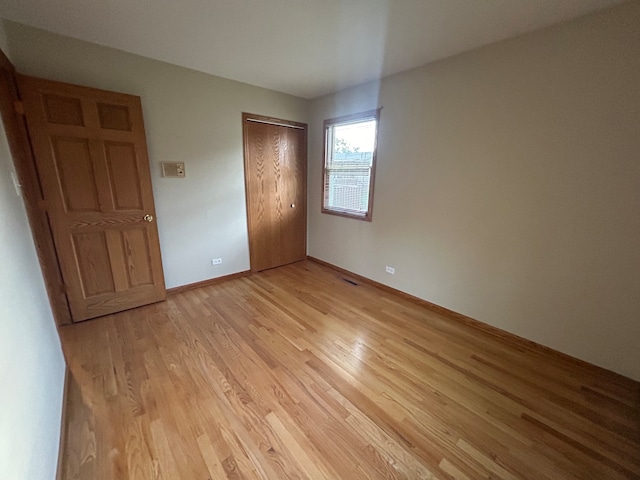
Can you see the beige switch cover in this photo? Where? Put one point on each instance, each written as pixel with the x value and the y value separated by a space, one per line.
pixel 173 169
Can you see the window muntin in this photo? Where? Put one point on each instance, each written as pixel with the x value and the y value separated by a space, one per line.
pixel 349 164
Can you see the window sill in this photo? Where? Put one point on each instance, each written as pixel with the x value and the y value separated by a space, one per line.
pixel 366 218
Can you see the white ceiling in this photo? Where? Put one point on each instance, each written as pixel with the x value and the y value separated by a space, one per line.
pixel 303 47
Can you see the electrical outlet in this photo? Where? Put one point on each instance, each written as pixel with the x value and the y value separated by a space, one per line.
pixel 390 270
pixel 216 261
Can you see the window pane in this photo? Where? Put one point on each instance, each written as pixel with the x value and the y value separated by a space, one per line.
pixel 353 144
pixel 348 190
pixel 349 164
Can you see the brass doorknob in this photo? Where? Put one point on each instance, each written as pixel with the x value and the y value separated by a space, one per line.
pixel 148 218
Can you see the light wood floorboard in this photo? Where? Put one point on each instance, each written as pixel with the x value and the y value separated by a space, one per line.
pixel 295 373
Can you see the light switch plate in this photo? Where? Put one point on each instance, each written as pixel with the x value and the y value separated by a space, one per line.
pixel 173 169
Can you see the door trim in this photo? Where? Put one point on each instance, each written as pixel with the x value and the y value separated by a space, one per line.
pixel 24 163
pixel 277 124
pixel 251 117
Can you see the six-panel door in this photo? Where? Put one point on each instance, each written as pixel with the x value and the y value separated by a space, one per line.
pixel 92 161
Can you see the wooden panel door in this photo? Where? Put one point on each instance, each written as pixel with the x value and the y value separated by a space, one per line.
pixel 275 174
pixel 91 156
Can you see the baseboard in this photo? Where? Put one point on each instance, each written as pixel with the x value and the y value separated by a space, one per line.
pixel 206 283
pixel 63 423
pixel 507 337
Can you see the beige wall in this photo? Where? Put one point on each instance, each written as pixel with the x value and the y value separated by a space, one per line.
pixel 508 186
pixel 190 117
pixel 507 183
pixel 31 362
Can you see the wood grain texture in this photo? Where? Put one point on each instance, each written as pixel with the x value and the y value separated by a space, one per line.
pixel 295 373
pixel 515 340
pixel 207 283
pixel 64 424
pixel 91 158
pixel 293 182
pixel 18 140
pixel 275 178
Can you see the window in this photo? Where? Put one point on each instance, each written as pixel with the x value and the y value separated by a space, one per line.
pixel 349 164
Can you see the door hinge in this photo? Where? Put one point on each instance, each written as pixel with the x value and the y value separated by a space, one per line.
pixel 19 107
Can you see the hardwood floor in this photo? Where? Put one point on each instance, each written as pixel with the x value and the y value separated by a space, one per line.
pixel 295 373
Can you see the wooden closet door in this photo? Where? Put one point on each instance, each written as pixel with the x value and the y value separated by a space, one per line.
pixel 92 161
pixel 293 180
pixel 275 174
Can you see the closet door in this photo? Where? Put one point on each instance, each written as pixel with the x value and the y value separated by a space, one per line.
pixel 275 175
